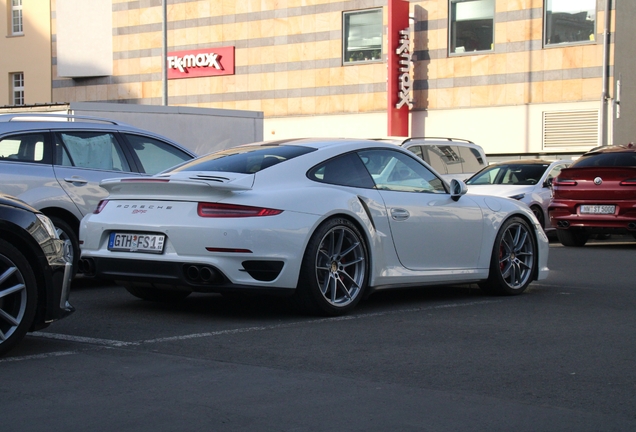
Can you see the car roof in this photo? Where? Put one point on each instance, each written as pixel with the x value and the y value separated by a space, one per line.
pixel 528 162
pixel 29 121
pixel 318 143
pixel 612 149
pixel 24 122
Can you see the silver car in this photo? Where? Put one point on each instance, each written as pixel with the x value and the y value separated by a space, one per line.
pixel 528 181
pixel 56 162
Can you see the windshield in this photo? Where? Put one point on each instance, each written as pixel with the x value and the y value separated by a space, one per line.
pixel 244 159
pixel 513 174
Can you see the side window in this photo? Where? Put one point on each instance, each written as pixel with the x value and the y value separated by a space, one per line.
pixel 417 151
pixel 154 155
pixel 400 172
pixel 345 170
pixel 436 159
pixel 471 159
pixel 95 150
pixel 24 147
pixel 445 159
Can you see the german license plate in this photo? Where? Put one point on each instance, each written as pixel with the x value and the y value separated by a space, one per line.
pixel 598 209
pixel 129 242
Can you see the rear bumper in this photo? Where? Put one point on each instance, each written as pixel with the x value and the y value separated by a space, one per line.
pixel 565 214
pixel 188 276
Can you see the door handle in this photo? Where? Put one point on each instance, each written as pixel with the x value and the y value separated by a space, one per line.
pixel 75 179
pixel 399 214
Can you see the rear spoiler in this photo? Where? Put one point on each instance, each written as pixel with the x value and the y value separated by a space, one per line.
pixel 185 182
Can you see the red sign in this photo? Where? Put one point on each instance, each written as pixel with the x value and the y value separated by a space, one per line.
pixel 200 63
pixel 398 58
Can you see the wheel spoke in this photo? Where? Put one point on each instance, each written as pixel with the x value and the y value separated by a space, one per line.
pixel 351 248
pixel 11 290
pixel 356 261
pixel 338 246
pixel 346 291
pixel 7 274
pixel 11 320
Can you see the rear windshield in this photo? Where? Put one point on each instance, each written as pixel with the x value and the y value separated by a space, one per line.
pixel 627 159
pixel 244 159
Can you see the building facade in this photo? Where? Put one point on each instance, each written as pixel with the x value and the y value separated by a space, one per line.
pixel 515 76
pixel 25 63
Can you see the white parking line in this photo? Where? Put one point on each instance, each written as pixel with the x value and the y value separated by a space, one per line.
pixel 116 343
pixel 37 356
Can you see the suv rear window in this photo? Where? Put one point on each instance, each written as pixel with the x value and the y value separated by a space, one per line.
pixel 244 160
pixel 624 159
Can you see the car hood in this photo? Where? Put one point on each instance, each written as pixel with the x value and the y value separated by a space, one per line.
pixel 500 190
pixel 9 200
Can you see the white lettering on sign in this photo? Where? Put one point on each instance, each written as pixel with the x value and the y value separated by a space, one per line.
pixel 191 60
pixel 406 82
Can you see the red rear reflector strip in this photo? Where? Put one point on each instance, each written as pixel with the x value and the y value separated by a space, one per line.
pixel 216 210
pixel 630 182
pixel 227 250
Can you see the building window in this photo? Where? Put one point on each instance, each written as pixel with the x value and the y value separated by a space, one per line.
pixel 16 17
pixel 17 85
pixel 472 25
pixel 362 36
pixel 569 21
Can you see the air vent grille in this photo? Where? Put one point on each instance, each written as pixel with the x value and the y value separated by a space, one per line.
pixel 570 128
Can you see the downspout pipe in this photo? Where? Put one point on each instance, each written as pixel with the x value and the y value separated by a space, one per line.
pixel 164 52
pixel 605 77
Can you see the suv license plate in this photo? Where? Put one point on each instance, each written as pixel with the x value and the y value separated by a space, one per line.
pixel 598 209
pixel 148 243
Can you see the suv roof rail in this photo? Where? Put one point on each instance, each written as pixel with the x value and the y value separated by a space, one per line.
pixel 45 117
pixel 438 138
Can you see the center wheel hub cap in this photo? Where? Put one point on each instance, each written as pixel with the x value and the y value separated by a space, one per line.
pixel 334 267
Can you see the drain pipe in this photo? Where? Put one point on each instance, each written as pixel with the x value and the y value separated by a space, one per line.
pixel 605 78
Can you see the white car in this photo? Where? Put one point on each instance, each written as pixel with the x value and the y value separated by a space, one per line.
pixel 529 181
pixel 324 221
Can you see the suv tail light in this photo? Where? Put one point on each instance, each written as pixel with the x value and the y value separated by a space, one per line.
pixel 564 182
pixel 217 210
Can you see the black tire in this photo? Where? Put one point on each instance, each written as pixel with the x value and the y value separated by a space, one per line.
pixel 572 237
pixel 513 262
pixel 538 212
pixel 334 270
pixel 65 232
pixel 150 293
pixel 18 296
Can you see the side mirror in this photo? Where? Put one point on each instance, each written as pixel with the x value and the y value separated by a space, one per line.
pixel 548 182
pixel 457 189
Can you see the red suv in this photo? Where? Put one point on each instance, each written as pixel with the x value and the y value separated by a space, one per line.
pixel 596 195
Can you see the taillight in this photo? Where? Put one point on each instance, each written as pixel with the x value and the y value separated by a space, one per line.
pixel 564 182
pixel 100 206
pixel 217 210
pixel 628 182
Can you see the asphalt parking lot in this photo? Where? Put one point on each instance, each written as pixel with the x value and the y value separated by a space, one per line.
pixel 560 357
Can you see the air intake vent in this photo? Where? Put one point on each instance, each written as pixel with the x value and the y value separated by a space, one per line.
pixel 570 129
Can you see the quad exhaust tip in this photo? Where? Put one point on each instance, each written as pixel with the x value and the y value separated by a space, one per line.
pixel 202 274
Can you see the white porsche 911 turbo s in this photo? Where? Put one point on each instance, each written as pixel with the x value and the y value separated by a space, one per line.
pixel 322 221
